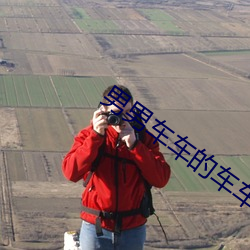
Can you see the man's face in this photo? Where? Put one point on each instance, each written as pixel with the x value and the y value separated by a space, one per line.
pixel 119 128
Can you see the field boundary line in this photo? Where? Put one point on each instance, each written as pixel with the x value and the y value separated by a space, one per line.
pixel 173 212
pixel 80 85
pixel 27 89
pixel 79 29
pixel 176 176
pixel 42 88
pixel 247 166
pixel 54 87
pixel 8 228
pixel 217 67
pixel 65 115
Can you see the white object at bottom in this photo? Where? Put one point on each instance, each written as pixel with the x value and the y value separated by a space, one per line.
pixel 71 240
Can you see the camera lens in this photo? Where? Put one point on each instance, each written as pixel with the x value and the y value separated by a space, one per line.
pixel 114 119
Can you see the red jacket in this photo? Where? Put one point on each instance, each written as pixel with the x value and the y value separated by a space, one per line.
pixel 101 191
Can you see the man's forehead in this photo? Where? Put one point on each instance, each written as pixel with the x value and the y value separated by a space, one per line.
pixel 115 108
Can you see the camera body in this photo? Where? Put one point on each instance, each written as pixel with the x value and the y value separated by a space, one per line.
pixel 113 119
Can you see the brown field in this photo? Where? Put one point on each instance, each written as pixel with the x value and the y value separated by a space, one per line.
pixel 220 22
pixel 10 135
pixel 184 82
pixel 219 132
pixel 237 61
pixel 40 131
pixel 54 54
pixel 203 96
pixel 52 44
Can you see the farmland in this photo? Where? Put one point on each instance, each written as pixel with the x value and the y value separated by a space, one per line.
pixel 188 62
pixel 55 91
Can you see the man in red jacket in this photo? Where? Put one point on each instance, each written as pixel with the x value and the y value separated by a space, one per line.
pixel 112 200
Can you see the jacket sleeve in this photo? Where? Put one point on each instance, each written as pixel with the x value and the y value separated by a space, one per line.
pixel 151 162
pixel 83 152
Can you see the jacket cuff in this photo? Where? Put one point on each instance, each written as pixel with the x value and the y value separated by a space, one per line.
pixel 98 133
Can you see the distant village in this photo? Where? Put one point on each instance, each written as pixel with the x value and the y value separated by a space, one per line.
pixel 6 64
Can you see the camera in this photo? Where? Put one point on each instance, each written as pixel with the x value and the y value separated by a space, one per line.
pixel 113 119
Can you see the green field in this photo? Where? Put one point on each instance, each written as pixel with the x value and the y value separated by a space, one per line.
pixel 79 13
pixel 87 23
pixel 161 19
pixel 185 179
pixel 226 53
pixel 55 91
pixel 156 15
pixel 92 25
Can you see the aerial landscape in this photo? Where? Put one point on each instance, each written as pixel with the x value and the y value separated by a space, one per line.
pixel 187 61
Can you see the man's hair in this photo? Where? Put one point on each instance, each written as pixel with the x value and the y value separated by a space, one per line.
pixel 123 88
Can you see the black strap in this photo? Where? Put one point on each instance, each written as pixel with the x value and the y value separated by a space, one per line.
pixel 111 215
pixel 97 160
pixel 117 216
pixel 150 198
pixel 98 227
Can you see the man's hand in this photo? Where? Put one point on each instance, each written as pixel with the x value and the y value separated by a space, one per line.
pixel 100 122
pixel 127 134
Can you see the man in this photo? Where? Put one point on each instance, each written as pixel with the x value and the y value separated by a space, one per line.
pixel 113 198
